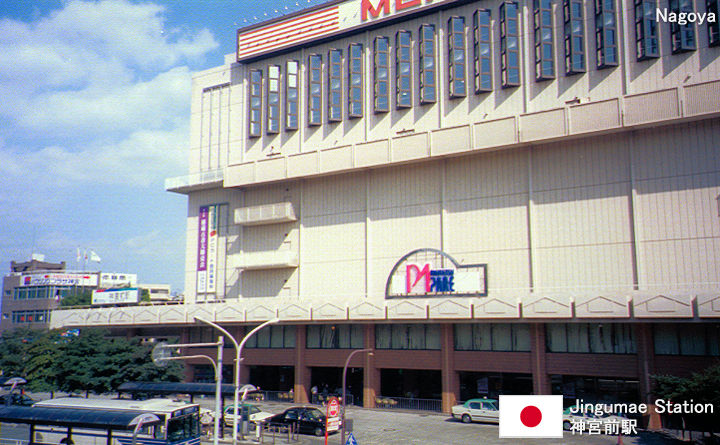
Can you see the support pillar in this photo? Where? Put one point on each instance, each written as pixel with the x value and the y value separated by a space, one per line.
pixel 188 369
pixel 302 372
pixel 646 367
pixel 450 381
pixel 541 379
pixel 371 375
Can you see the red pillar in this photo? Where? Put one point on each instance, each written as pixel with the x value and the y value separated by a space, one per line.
pixel 541 379
pixel 371 375
pixel 646 367
pixel 450 382
pixel 302 372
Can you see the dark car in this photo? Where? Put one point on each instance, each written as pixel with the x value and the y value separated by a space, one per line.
pixel 310 420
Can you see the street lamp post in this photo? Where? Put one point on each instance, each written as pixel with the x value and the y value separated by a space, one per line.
pixel 160 358
pixel 238 353
pixel 347 362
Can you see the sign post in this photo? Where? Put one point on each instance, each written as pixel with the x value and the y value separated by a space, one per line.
pixel 333 409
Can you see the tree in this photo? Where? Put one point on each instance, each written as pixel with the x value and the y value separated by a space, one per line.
pixel 43 354
pixel 14 347
pixel 78 297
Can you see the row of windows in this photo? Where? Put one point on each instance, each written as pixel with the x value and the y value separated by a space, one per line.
pixel 687 339
pixel 32 316
pixel 492 337
pixel 41 292
pixel 614 338
pixel 588 338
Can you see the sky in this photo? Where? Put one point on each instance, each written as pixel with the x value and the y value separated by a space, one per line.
pixel 94 116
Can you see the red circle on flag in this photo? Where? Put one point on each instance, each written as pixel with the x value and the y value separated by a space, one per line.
pixel 530 416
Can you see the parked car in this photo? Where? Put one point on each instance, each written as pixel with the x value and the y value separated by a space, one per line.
pixel 310 420
pixel 477 410
pixel 587 417
pixel 249 411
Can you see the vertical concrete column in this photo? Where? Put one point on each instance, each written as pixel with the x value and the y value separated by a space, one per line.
pixel 371 375
pixel 188 369
pixel 538 357
pixel 450 381
pixel 646 367
pixel 302 372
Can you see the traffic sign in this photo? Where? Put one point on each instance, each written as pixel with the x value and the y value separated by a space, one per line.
pixel 333 408
pixel 351 440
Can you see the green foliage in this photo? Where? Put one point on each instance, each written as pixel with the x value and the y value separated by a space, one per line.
pixel 91 361
pixel 145 296
pixel 77 297
pixel 702 387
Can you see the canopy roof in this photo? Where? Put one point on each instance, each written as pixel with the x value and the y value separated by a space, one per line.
pixel 77 417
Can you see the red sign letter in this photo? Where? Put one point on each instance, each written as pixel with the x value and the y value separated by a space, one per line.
pixel 366 6
pixel 399 5
pixel 419 274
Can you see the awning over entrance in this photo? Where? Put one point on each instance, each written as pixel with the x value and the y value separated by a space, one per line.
pixel 77 417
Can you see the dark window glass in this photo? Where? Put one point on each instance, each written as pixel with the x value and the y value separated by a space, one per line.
pixel 573 14
pixel 335 85
pixel 403 68
pixel 509 44
pixel 592 338
pixel 682 36
pixel 255 111
pixel 427 64
pixel 492 337
pixel 646 34
pixel 407 336
pixel 456 56
pixel 482 50
pixel 355 82
pixel 381 75
pixel 314 89
pixel 273 99
pixel 544 42
pixel 606 33
pixel 713 27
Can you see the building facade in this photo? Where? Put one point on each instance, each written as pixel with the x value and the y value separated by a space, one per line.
pixel 494 196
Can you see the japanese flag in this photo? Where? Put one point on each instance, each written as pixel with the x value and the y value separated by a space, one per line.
pixel 531 416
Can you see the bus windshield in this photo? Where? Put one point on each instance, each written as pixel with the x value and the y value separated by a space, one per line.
pixel 183 428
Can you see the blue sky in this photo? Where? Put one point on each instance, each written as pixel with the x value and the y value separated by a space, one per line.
pixel 94 115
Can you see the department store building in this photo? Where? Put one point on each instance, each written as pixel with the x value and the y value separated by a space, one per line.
pixel 494 196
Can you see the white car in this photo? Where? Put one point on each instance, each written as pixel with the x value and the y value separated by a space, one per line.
pixel 253 413
pixel 477 410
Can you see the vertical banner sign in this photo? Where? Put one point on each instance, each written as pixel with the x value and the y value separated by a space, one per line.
pixel 202 249
pixel 212 245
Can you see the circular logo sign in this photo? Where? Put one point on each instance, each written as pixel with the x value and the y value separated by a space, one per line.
pixel 333 408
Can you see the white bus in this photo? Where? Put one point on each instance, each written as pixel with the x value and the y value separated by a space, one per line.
pixel 180 423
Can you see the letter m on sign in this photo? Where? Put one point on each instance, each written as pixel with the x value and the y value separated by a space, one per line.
pixel 411 281
pixel 366 6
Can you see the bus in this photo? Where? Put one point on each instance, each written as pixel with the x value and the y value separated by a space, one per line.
pixel 180 423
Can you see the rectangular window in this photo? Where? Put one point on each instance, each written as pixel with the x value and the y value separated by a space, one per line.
pixel 355 81
pixel 407 336
pixel 606 33
pixel 291 95
pixel 335 85
pixel 713 7
pixel 427 64
pixel 492 337
pixel 273 337
pixel 382 75
pixel 687 339
pixel 482 50
pixel 273 100
pixel 314 89
pixel 682 36
pixel 592 338
pixel 456 56
pixel 544 47
pixel 574 36
pixel 334 337
pixel 510 44
pixel 646 34
pixel 403 69
pixel 255 118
